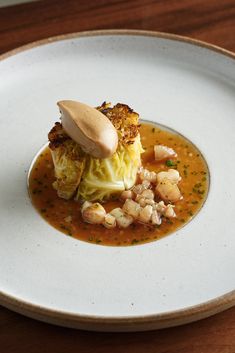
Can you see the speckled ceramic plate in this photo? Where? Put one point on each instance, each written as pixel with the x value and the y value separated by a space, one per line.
pixel 184 84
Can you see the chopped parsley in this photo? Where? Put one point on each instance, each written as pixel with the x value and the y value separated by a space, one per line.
pixel 170 163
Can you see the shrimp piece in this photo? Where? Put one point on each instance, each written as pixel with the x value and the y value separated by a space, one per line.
pixel 162 153
pixel 145 198
pixel 172 175
pixel 168 191
pixel 139 188
pixel 94 214
pixel 123 220
pixel 140 200
pixel 131 208
pixel 143 201
pixel 165 210
pixel 126 194
pixel 160 207
pixel 148 194
pixel 146 184
pixel 85 205
pixel 145 214
pixel 109 221
pixel 117 212
pixel 155 218
pixel 169 211
pixel 145 174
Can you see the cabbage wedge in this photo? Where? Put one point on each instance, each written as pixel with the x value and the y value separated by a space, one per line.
pixel 84 177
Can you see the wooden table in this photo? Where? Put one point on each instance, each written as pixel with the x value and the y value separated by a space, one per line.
pixel 212 21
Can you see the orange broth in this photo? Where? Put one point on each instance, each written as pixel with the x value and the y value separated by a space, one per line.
pixel 65 215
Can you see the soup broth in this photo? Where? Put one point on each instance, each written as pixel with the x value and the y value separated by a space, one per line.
pixel 65 215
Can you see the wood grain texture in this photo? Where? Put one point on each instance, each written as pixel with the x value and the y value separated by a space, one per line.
pixel 213 335
pixel 212 21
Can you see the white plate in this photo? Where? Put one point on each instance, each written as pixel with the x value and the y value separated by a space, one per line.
pixel 186 85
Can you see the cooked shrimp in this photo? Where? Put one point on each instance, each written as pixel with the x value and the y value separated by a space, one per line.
pixel 168 191
pixel 146 184
pixel 169 211
pixel 85 205
pixel 109 221
pixel 143 201
pixel 94 214
pixel 160 207
pixel 155 218
pixel 148 194
pixel 139 188
pixel 145 174
pixel 123 220
pixel 172 175
pixel 117 212
pixel 126 194
pixel 131 208
pixel 162 153
pixel 145 214
pixel 145 198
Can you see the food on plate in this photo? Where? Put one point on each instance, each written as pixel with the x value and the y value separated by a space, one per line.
pixel 162 153
pixel 82 175
pixel 117 182
pixel 89 128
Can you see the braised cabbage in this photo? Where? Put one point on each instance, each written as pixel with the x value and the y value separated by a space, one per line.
pixel 103 179
pixel 84 177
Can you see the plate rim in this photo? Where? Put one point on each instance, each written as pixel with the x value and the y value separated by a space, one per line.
pixel 127 32
pixel 119 323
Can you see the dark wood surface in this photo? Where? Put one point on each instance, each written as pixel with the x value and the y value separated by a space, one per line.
pixel 212 21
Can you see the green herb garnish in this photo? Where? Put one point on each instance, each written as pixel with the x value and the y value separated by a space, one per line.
pixel 170 163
